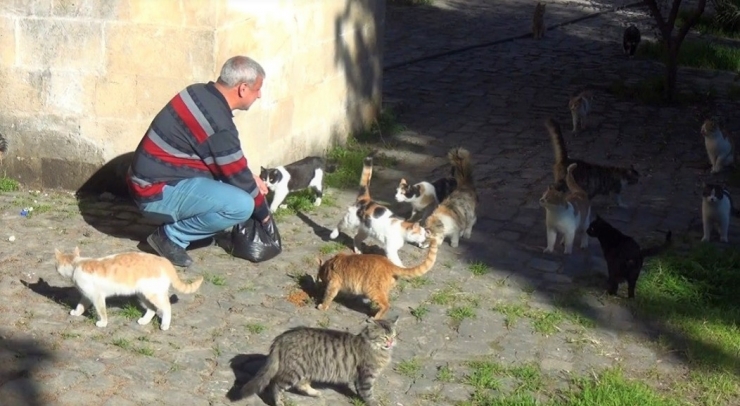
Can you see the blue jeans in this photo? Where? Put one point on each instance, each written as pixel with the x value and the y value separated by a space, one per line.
pixel 199 208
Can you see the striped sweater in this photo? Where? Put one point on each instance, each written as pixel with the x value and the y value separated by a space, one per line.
pixel 194 135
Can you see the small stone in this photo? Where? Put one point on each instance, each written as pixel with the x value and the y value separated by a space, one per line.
pixel 11 238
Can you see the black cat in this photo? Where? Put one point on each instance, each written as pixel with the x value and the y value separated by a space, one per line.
pixel 622 253
pixel 630 40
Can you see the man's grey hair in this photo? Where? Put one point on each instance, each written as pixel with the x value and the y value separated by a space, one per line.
pixel 240 69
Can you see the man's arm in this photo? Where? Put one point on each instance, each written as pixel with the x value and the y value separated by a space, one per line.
pixel 227 161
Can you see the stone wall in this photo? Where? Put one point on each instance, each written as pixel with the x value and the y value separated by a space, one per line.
pixel 82 79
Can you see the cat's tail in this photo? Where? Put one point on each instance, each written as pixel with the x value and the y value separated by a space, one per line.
pixel 3 147
pixel 424 267
pixel 462 166
pixel 570 181
pixel 367 174
pixel 558 142
pixel 183 287
pixel 652 251
pixel 264 376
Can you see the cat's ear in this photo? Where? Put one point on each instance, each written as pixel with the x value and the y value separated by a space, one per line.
pixel 76 252
pixel 319 262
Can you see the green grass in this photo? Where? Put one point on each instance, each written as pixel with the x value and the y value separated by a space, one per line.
pixel 331 248
pixel 651 90
pixel 419 312
pixel 478 268
pixel 302 201
pixel 256 328
pixel 216 280
pixel 9 185
pixel 694 297
pixel 696 54
pixel 409 368
pixel 348 158
pixel 708 24
pixel 130 312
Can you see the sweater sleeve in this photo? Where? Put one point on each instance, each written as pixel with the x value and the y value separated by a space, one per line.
pixel 227 162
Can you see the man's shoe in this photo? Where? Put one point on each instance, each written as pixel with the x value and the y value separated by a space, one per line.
pixel 165 247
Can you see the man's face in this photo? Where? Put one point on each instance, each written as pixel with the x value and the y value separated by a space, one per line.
pixel 247 94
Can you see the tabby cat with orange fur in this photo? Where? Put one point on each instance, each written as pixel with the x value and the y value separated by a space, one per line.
pixel 130 273
pixel 566 213
pixel 538 21
pixel 370 275
pixel 456 215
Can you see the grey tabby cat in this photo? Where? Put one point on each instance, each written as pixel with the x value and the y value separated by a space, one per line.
pixel 303 355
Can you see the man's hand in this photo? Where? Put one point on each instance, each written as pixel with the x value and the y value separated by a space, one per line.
pixel 260 184
pixel 266 220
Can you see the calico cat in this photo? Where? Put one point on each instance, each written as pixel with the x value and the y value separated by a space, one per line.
pixel 716 209
pixel 630 40
pixel 455 216
pixel 720 147
pixel 423 194
pixel 566 213
pixel 370 275
pixel 130 273
pixel 595 179
pixel 623 255
pixel 580 107
pixel 369 218
pixel 303 174
pixel 303 355
pixel 538 21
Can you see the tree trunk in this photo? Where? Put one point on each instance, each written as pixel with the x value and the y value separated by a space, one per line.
pixel 671 69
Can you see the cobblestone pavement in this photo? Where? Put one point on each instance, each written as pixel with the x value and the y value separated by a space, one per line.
pixel 520 307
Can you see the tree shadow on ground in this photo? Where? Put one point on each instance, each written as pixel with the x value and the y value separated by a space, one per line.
pixel 22 359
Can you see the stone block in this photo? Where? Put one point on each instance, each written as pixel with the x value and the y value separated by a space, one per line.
pixel 38 8
pixel 115 96
pixel 281 120
pixel 137 49
pixel 160 12
pixel 70 93
pixel 105 10
pixel 23 91
pixel 7 41
pixel 67 45
pixel 116 135
pixel 153 92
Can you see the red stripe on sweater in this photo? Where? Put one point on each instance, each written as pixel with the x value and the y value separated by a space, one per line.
pixel 157 152
pixel 148 191
pixel 231 169
pixel 190 121
pixel 259 200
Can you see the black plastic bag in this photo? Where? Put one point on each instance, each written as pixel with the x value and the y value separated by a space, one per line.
pixel 256 242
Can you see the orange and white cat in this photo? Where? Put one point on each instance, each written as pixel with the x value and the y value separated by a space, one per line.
pixel 130 273
pixel 371 219
pixel 370 275
pixel 566 213
pixel 580 107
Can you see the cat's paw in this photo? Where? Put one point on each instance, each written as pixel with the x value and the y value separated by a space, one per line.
pixel 317 202
pixel 705 239
pixel 334 234
pixel 321 306
pixel 548 250
pixel 164 327
pixel 75 312
pixel 143 321
pixel 101 323
pixel 357 250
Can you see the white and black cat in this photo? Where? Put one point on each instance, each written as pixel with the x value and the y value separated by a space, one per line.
pixel 303 174
pixel 631 40
pixel 623 255
pixel 716 209
pixel 421 195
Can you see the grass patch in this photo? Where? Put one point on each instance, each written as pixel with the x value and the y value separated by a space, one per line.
pixel 445 374
pixel 409 368
pixel 694 297
pixel 545 322
pixel 708 24
pixel 478 268
pixel 255 328
pixel 130 312
pixel 302 201
pixel 216 280
pixel 332 248
pixel 348 158
pixel 9 185
pixel 460 313
pixel 696 54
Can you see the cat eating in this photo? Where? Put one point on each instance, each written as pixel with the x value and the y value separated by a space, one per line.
pixel 307 173
pixel 370 275
pixel 623 255
pixel 423 194
pixel 456 214
pixel 720 146
pixel 303 355
pixel 566 213
pixel 595 179
pixel 716 209
pixel 369 218
pixel 130 273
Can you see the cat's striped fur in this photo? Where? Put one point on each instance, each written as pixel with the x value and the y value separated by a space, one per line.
pixel 595 179
pixel 456 215
pixel 372 219
pixel 370 275
pixel 303 355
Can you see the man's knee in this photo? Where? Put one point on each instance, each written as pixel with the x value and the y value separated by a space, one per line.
pixel 240 206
